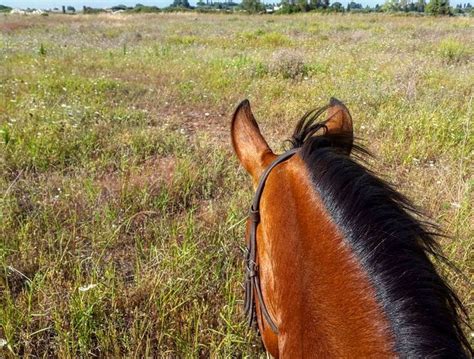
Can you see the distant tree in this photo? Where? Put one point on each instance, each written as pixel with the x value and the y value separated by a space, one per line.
pixel 319 4
pixel 458 9
pixel 302 5
pixel 90 10
pixel 71 9
pixel 181 3
pixel 420 5
pixel 353 6
pixel 4 8
pixel 139 8
pixel 337 6
pixel 392 5
pixel 252 6
pixel 438 7
pixel 118 7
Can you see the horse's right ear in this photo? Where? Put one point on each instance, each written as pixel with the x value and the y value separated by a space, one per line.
pixel 249 145
pixel 339 122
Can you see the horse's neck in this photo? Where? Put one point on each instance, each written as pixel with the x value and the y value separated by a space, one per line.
pixel 313 285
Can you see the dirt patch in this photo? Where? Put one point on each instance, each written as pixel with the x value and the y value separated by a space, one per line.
pixel 215 124
pixel 17 278
pixel 149 174
pixel 9 27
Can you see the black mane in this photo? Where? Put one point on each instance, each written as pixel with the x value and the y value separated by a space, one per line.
pixel 394 246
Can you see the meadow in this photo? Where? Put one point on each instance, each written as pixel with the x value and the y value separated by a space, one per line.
pixel 122 204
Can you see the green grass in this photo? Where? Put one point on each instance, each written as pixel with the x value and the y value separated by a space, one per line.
pixel 453 51
pixel 122 208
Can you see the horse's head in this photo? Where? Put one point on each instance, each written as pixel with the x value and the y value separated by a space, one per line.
pixel 337 264
pixel 290 222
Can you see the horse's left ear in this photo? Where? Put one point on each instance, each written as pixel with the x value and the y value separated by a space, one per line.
pixel 339 121
pixel 249 144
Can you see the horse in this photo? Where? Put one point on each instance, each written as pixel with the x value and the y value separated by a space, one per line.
pixel 338 262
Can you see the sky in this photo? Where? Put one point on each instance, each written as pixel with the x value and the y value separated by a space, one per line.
pixel 47 4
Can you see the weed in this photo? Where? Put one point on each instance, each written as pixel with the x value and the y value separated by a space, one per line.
pixel 42 50
pixel 452 51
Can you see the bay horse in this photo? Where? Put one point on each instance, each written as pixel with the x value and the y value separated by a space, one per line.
pixel 338 262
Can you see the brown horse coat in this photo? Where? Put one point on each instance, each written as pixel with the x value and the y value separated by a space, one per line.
pixel 316 289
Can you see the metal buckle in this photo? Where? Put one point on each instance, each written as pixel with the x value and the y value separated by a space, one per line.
pixel 254 215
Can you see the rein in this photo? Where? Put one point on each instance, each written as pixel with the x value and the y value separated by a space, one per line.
pixel 252 279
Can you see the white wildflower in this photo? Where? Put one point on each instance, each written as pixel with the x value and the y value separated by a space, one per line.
pixel 87 287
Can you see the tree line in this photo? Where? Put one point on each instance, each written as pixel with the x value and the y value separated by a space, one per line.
pixel 433 7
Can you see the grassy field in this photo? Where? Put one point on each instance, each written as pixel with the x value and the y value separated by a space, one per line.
pixel 122 205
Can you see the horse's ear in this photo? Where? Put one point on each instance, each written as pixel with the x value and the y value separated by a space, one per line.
pixel 339 121
pixel 249 145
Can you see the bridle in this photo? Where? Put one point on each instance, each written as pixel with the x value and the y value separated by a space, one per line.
pixel 252 279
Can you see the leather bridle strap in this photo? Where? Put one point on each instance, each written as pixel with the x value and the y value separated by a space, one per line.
pixel 252 280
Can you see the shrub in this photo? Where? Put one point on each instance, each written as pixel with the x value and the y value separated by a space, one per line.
pixel 288 64
pixel 452 51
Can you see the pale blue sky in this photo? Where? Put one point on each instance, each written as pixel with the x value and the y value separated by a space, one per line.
pixel 46 4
